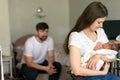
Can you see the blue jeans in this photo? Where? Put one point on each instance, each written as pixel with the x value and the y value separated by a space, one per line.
pixel 31 73
pixel 108 76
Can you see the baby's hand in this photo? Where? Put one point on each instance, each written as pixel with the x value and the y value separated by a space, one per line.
pixel 98 46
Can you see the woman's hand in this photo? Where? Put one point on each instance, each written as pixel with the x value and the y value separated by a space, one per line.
pixel 106 68
pixel 92 62
pixel 104 58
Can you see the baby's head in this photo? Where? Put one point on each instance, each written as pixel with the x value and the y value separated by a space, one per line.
pixel 111 45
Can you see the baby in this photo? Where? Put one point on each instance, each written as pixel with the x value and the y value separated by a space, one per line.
pixel 109 49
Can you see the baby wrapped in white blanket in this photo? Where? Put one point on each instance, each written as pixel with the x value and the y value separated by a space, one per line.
pixel 110 54
pixel 109 49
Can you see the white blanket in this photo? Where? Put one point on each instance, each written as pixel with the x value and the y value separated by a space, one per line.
pixel 110 54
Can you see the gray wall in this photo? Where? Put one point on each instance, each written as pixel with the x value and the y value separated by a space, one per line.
pixel 4 27
pixel 60 15
pixel 77 7
pixel 23 17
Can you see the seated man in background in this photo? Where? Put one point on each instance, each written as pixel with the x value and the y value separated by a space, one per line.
pixel 37 48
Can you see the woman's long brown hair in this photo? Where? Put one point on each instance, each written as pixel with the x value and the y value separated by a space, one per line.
pixel 90 14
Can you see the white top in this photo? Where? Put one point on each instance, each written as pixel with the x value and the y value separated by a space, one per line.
pixel 37 50
pixel 81 41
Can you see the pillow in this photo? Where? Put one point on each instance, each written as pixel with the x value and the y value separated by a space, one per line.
pixel 19 46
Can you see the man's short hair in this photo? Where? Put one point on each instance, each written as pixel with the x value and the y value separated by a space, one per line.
pixel 42 26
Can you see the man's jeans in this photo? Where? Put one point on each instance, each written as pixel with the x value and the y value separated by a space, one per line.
pixel 31 73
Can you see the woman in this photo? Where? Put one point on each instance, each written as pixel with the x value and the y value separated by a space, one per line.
pixel 83 37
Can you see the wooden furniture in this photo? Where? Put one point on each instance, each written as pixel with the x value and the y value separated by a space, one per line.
pixel 112 28
pixel 73 76
pixel 1 65
pixel 116 65
pixel 8 60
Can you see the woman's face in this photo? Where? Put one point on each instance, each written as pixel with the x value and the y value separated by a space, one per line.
pixel 98 23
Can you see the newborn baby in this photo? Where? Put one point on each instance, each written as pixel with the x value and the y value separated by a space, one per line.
pixel 109 49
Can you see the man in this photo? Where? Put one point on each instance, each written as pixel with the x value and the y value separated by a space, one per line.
pixel 34 57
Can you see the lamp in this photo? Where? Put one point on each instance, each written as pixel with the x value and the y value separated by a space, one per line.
pixel 40 13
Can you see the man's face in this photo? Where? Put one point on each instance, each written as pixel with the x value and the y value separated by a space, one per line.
pixel 42 34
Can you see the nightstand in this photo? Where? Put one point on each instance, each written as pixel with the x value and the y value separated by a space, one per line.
pixel 8 60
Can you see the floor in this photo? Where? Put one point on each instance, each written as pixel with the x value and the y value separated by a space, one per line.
pixel 64 75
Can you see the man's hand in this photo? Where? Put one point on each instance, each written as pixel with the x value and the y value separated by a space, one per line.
pixel 50 69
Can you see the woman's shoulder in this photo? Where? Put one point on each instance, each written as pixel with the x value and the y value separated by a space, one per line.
pixel 76 36
pixel 76 33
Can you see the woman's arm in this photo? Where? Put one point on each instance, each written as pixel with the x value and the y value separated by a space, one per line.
pixel 75 61
pixel 104 58
pixel 107 55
